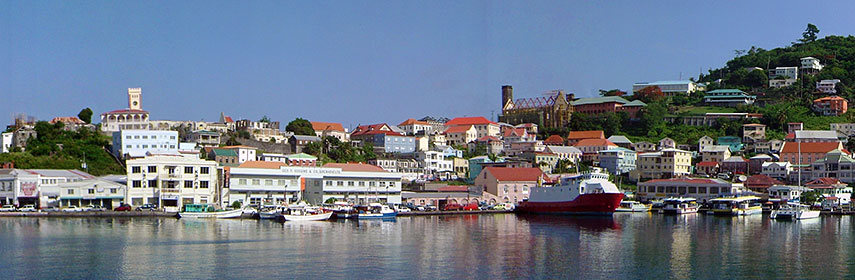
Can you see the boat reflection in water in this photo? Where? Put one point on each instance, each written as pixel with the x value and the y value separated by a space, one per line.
pixel 594 223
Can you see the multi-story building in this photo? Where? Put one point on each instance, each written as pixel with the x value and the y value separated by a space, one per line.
pixel 728 97
pixel 847 129
pixel 753 132
pixel 735 165
pixel 413 127
pixel 483 126
pixel 394 144
pixel 701 189
pixel 134 117
pixel 617 160
pixel 607 104
pixel 831 105
pixel 816 136
pixel 575 136
pixel 643 146
pixel 621 141
pixel 783 76
pixel 705 141
pixel 715 153
pixel 794 126
pixel 827 86
pixel 569 153
pixel 671 88
pixel 517 135
pixel 667 143
pixel 172 181
pixel 510 185
pixel 545 161
pixel 93 191
pixel 136 143
pixel 388 164
pixel 810 65
pixel 6 142
pixel 590 147
pixel 835 164
pixel 460 135
pixel 264 131
pixel 40 187
pixel 299 142
pixel 492 145
pixel 667 163
pixel 554 140
pixel 433 162
pixel 551 111
pixel 809 151
pixel 460 166
pixel 204 138
pixel 330 129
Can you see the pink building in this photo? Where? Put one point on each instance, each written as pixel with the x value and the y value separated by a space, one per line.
pixel 510 185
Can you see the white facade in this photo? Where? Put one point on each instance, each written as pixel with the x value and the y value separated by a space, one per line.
pixel 136 143
pixel 671 88
pixel 434 162
pixel 778 170
pixel 134 117
pixel 6 142
pixel 783 76
pixel 810 64
pixel 847 129
pixel 171 181
pixel 827 86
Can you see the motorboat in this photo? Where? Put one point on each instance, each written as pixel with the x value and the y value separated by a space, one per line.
pixel 208 211
pixel 377 211
pixel 736 206
pixel 271 211
pixel 343 210
pixel 302 213
pixel 679 205
pixel 632 206
pixel 794 211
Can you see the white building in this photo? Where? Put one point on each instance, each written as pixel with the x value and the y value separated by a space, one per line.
pixel 778 170
pixel 269 184
pixel 568 153
pixel 671 88
pixel 39 187
pixel 783 76
pixel 700 188
pixel 171 181
pixel 434 162
pixel 847 129
pixel 136 143
pixel 100 192
pixel 134 117
pixel 827 86
pixel 810 65
pixel 6 142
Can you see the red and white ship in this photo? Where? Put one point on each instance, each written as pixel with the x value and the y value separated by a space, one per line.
pixel 584 194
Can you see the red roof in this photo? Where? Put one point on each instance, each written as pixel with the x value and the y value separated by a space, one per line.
pixel 487 138
pixel 516 131
pixel 586 134
pixel 358 167
pixel 554 139
pixel 707 164
pixel 380 128
pixel 126 111
pixel 454 189
pixel 761 181
pixel 229 119
pixel 810 147
pixel 330 126
pixel 823 182
pixel 69 120
pixel 682 180
pixel 457 129
pixel 515 174
pixel 594 143
pixel 413 121
pixel 468 121
pixel 263 164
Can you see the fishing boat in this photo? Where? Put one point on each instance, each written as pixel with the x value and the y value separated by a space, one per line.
pixel 794 211
pixel 377 211
pixel 587 193
pixel 302 213
pixel 343 210
pixel 736 206
pixel 271 212
pixel 632 206
pixel 208 211
pixel 679 205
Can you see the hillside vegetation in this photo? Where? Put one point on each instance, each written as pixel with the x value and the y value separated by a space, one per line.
pixel 55 148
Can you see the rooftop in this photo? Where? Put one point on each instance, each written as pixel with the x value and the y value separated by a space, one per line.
pixel 329 126
pixel 355 167
pixel 594 142
pixel 468 121
pixel 586 134
pixel 515 174
pixel 599 100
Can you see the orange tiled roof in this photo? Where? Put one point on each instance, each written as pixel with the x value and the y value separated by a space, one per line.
pixel 357 167
pixel 810 147
pixel 321 126
pixel 554 139
pixel 69 120
pixel 515 131
pixel 373 129
pixel 515 174
pixel 413 121
pixel 594 142
pixel 586 134
pixel 468 121
pixel 457 129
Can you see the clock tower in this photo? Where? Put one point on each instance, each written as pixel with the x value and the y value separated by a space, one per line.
pixel 135 98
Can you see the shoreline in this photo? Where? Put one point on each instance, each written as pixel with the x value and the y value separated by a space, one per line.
pixel 111 214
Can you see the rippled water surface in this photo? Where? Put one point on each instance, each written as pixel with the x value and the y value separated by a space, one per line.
pixel 627 246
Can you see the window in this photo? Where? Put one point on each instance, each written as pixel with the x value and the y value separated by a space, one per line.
pixel 114 190
pixel 136 169
pixel 145 137
pixel 91 191
pixel 242 181
pixel 152 169
pixel 339 183
pixel 281 182
pixel 188 184
pixel 70 191
pixel 361 183
pixel 256 181
pixel 268 182
pixel 188 170
pixel 204 170
pixel 203 184
pixel 350 183
pixel 152 183
pixel 137 184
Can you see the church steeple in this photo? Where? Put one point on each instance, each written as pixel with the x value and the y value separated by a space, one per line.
pixel 135 98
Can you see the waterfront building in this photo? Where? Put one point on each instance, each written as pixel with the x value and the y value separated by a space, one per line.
pixel 617 160
pixel 700 188
pixel 550 111
pixel 354 182
pixel 133 117
pixel 831 188
pixel 171 181
pixel 671 88
pixel 93 191
pixel 761 183
pixel 831 105
pixel 39 187
pixel 787 193
pixel 668 163
pixel 510 185
pixel 330 129
pixel 835 164
pixel 136 143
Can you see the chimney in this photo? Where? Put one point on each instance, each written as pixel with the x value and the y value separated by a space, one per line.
pixel 507 94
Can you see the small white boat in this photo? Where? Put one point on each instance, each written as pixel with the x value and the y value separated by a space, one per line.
pixel 303 213
pixel 632 206
pixel 679 205
pixel 208 211
pixel 794 211
pixel 737 206
pixel 271 212
pixel 377 211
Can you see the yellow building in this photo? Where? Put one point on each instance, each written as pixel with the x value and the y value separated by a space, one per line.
pixel 668 163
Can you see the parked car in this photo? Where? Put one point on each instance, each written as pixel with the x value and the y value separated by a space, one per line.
pixel 498 207
pixel 95 208
pixel 452 207
pixel 51 209
pixel 421 208
pixel 471 207
pixel 402 209
pixel 8 208
pixel 124 207
pixel 28 208
pixel 146 207
pixel 430 208
pixel 72 208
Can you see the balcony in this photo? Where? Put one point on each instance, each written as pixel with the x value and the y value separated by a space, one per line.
pixel 175 190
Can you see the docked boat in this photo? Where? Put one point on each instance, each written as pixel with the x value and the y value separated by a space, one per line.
pixel 377 211
pixel 588 193
pixel 632 206
pixel 737 206
pixel 208 211
pixel 271 212
pixel 343 210
pixel 794 211
pixel 679 205
pixel 306 213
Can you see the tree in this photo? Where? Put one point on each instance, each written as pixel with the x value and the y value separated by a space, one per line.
pixel 300 126
pixel 810 197
pixel 810 33
pixel 264 119
pixel 614 92
pixel 649 94
pixel 85 115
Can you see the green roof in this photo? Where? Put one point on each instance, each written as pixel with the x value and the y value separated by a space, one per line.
pixel 598 100
pixel 730 90
pixel 730 96
pixel 301 156
pixel 225 153
pixel 635 103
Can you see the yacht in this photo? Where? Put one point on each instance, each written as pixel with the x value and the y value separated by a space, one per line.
pixel 794 211
pixel 679 205
pixel 632 206
pixel 736 206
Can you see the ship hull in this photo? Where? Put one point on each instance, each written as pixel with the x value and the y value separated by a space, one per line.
pixel 587 204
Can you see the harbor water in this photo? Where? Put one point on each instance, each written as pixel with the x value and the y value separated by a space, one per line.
pixel 493 246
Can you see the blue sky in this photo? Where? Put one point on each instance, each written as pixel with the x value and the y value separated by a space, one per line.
pixel 361 62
